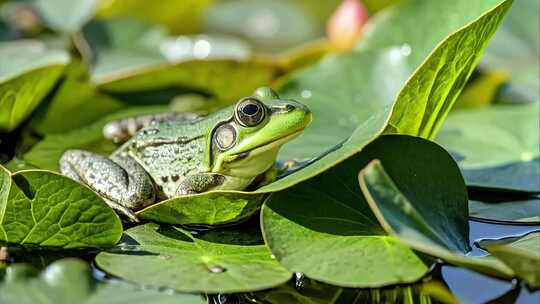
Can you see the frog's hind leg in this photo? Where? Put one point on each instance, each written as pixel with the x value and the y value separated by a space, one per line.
pixel 121 181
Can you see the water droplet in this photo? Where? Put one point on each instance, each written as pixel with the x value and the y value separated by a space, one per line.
pixel 151 131
pixel 201 49
pixel 306 94
pixel 216 269
pixel 405 50
pixel 526 156
pixel 176 49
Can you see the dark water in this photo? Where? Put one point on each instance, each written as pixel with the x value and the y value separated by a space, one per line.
pixel 472 287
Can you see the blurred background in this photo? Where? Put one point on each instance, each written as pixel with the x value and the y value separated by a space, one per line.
pixel 67 67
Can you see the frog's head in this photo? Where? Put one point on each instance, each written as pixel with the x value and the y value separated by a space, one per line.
pixel 247 144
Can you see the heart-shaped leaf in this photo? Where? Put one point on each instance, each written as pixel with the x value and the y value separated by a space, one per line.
pixel 41 208
pixel 427 225
pixel 28 70
pixel 522 254
pixel 70 281
pixel 324 228
pixel 173 258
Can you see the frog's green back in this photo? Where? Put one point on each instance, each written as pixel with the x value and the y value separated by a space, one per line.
pixel 169 151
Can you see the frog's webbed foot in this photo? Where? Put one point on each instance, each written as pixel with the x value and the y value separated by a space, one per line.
pixel 199 183
pixel 122 130
pixel 121 181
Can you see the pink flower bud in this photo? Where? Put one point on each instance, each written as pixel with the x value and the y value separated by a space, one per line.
pixel 345 26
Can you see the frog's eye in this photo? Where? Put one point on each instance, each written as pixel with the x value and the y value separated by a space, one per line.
pixel 225 137
pixel 250 112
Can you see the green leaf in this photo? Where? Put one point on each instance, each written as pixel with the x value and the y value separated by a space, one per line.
pixel 514 52
pixel 522 254
pixel 518 176
pixel 324 228
pixel 45 209
pixel 76 103
pixel 66 16
pixel 212 208
pixel 170 257
pixel 28 70
pixel 422 65
pixel 425 224
pixel 70 281
pixel 520 210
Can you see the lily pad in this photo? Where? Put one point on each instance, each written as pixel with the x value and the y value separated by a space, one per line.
pixel 212 208
pixel 435 226
pixel 522 254
pixel 324 228
pixel 492 136
pixel 497 146
pixel 70 281
pixel 66 16
pixel 521 211
pixel 28 71
pixel 517 176
pixel 41 208
pixel 173 258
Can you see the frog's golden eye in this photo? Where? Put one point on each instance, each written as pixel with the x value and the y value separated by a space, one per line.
pixel 250 112
pixel 225 137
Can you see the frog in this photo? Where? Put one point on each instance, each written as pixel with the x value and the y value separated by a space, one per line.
pixel 168 155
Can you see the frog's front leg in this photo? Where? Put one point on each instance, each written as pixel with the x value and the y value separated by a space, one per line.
pixel 198 183
pixel 122 182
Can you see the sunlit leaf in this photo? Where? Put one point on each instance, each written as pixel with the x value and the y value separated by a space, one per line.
pixel 41 208
pixel 28 70
pixel 172 258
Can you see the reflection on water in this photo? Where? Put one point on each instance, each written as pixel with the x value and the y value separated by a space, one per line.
pixel 471 287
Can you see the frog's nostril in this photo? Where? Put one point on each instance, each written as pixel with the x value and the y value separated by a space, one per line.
pixel 289 107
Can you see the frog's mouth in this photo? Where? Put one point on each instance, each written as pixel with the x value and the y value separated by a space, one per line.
pixel 268 146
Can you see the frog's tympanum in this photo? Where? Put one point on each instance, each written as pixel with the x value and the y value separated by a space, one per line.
pixel 171 155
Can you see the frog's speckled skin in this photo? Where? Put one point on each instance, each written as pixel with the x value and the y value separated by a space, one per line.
pixel 180 155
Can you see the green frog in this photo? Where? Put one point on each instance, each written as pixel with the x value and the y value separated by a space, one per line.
pixel 173 154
